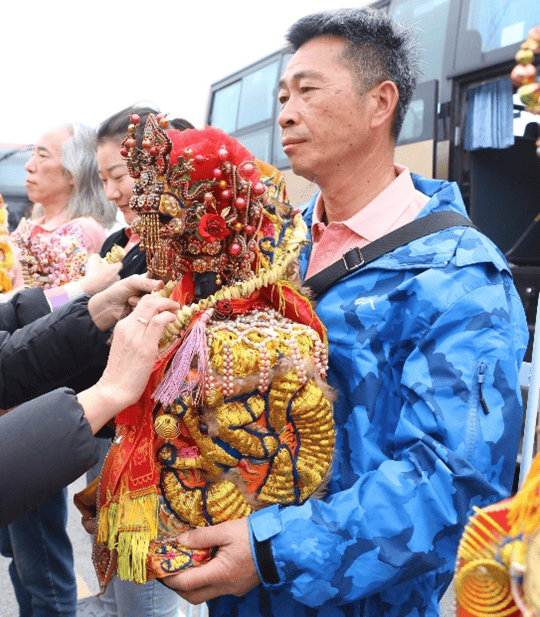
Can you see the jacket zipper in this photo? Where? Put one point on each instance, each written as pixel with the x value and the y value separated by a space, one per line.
pixel 476 401
pixel 481 378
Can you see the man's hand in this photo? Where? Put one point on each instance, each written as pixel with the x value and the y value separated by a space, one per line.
pixel 110 305
pixel 99 275
pixel 231 571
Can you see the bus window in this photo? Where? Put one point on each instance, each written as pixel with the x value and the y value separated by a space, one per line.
pixel 225 107
pixel 419 122
pixel 258 143
pixel 257 99
pixel 413 124
pixel 430 19
pixel 489 26
pixel 500 22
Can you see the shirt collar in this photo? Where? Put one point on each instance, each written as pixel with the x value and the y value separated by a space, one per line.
pixel 379 215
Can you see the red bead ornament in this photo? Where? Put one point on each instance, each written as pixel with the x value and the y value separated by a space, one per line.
pixel 247 170
pixel 226 194
pixel 223 153
pixel 249 229
pixel 146 144
pixel 153 151
pixel 163 123
pixel 130 143
pixel 135 118
pixel 240 203
pixel 124 152
pixel 235 249
pixel 208 198
pixel 200 159
pixel 259 188
pixel 188 154
pixel 217 173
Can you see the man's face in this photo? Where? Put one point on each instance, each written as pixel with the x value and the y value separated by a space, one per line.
pixel 322 115
pixel 47 182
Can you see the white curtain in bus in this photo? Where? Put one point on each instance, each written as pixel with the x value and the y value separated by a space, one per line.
pixel 490 116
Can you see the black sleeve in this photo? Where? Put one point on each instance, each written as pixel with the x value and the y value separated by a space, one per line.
pixel 45 445
pixel 47 353
pixel 24 308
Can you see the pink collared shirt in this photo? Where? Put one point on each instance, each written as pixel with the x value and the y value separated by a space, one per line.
pixel 133 239
pixel 396 206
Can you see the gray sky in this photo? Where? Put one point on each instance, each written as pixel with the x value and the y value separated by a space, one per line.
pixel 83 60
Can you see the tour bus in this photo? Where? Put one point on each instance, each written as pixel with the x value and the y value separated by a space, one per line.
pixel 468 49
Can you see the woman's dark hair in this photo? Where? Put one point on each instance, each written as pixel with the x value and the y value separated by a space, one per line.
pixel 115 128
pixel 180 124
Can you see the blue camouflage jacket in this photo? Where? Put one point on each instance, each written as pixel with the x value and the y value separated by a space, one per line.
pixel 425 345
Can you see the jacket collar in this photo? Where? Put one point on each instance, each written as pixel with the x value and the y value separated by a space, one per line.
pixel 425 252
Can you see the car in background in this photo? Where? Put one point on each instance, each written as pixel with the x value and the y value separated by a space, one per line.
pixel 13 157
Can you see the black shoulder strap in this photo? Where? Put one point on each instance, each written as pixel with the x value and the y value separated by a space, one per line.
pixel 357 258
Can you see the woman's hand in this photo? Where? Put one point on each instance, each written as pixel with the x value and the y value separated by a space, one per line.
pixel 99 275
pixel 133 353
pixel 117 301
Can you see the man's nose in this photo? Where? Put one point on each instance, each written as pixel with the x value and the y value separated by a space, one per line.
pixel 287 115
pixel 30 166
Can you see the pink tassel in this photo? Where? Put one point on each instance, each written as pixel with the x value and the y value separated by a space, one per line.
pixel 176 382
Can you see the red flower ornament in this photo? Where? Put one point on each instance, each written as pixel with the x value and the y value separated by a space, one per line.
pixel 213 227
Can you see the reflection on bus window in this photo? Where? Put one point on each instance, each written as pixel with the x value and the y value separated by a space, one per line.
pixel 225 106
pixel 524 121
pixel 257 100
pixel 258 143
pixel 430 19
pixel 501 22
pixel 413 124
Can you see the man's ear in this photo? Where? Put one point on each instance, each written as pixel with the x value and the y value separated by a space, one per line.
pixel 386 97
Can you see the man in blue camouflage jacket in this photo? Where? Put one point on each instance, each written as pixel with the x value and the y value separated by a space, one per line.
pixel 425 345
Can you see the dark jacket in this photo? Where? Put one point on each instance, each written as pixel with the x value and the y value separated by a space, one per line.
pixel 45 445
pixel 134 262
pixel 23 308
pixel 51 350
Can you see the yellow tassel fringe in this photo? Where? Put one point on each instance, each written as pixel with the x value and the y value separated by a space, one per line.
pixel 524 510
pixel 128 527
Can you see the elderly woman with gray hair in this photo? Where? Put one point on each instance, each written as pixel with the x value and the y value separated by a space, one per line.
pixel 53 250
pixel 70 217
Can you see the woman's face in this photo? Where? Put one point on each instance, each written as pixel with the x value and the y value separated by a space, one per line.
pixel 117 182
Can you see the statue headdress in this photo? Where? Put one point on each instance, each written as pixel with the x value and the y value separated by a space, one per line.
pixel 237 414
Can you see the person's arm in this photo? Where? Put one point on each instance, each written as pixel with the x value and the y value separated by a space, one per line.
pixel 49 352
pixel 22 309
pixel 47 443
pixel 445 450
